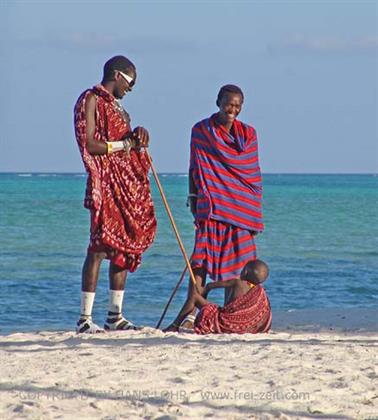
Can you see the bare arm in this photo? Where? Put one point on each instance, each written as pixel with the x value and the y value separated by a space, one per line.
pixel 192 186
pixel 192 190
pixel 219 284
pixel 94 147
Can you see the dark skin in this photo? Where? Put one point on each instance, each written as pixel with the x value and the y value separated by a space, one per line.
pixel 230 106
pixel 118 88
pixel 235 288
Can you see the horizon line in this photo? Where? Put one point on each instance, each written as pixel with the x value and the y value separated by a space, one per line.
pixel 185 173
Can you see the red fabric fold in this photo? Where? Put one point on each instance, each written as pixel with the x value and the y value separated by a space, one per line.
pixel 225 163
pixel 123 223
pixel 249 313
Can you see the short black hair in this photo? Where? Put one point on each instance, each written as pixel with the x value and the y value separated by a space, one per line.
pixel 255 271
pixel 229 89
pixel 118 62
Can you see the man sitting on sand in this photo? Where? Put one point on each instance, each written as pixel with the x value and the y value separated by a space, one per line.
pixel 248 309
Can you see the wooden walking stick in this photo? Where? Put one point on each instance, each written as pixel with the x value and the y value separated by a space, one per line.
pixel 171 297
pixel 166 205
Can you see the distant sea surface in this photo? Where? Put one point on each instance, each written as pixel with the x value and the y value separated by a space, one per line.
pixel 320 241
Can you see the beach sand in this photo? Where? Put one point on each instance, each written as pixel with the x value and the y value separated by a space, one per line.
pixel 323 369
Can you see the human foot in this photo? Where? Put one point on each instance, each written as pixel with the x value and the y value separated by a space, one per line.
pixel 172 328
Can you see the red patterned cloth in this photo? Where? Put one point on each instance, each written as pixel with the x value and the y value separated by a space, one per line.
pixel 249 313
pixel 123 222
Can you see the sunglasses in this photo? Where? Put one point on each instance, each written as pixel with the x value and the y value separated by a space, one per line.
pixel 129 80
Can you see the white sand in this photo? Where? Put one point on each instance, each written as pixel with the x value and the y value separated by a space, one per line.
pixel 148 374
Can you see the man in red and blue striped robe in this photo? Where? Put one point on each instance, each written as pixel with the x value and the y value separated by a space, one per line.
pixel 225 192
pixel 225 176
pixel 225 188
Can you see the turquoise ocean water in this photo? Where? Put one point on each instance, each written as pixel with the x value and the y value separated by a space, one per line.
pixel 321 243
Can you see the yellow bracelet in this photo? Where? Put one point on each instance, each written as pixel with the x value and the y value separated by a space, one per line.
pixel 109 148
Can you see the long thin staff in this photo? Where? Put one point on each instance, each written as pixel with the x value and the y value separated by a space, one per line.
pixel 172 220
pixel 170 299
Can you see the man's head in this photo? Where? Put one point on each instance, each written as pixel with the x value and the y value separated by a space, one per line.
pixel 255 272
pixel 120 72
pixel 230 100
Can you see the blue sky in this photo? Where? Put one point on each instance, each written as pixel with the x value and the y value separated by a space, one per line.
pixel 308 70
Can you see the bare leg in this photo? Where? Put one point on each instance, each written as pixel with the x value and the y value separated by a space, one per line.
pixel 115 320
pixel 89 281
pixel 195 300
pixel 117 277
pixel 200 276
pixel 90 272
pixel 189 306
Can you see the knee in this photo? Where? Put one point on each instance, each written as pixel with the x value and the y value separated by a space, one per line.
pixel 115 269
pixel 200 276
pixel 96 257
pixel 198 288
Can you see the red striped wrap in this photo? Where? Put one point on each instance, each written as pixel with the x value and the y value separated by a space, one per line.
pixel 222 249
pixel 249 313
pixel 226 172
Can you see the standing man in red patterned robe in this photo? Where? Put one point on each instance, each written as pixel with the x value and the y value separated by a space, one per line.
pixel 123 223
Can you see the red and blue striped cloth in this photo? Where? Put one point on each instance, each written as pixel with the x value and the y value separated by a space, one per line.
pixel 222 249
pixel 226 172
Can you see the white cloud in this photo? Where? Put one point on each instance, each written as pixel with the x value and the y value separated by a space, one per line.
pixel 324 45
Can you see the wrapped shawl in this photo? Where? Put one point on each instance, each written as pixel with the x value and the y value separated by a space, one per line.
pixel 249 313
pixel 123 222
pixel 227 174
